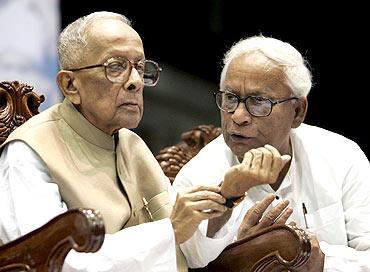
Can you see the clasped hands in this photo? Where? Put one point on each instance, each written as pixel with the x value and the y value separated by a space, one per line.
pixel 259 166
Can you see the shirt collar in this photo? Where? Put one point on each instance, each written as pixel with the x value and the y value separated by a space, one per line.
pixel 84 128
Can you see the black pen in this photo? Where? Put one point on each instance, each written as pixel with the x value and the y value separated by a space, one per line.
pixel 304 214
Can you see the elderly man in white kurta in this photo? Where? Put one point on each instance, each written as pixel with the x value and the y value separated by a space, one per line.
pixel 263 101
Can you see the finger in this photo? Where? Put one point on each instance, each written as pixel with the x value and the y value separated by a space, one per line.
pixel 266 164
pixel 257 159
pixel 247 160
pixel 278 161
pixel 285 159
pixel 267 158
pixel 212 188
pixel 205 195
pixel 208 215
pixel 284 216
pixel 276 153
pixel 255 213
pixel 273 150
pixel 269 218
pixel 204 205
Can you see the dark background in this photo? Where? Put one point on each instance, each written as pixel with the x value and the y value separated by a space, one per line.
pixel 189 38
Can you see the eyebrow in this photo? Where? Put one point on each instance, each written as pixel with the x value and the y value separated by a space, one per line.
pixel 254 93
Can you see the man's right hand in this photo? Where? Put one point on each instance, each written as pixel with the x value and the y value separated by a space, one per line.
pixel 194 205
pixel 259 166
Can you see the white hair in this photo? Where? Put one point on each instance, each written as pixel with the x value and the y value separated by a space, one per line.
pixel 72 40
pixel 298 76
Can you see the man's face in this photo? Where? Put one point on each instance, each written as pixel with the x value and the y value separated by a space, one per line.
pixel 254 74
pixel 111 106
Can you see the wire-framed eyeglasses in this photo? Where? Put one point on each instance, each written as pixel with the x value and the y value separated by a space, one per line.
pixel 118 69
pixel 257 106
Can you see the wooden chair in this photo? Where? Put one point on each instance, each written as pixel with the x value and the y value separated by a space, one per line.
pixel 18 103
pixel 43 249
pixel 276 248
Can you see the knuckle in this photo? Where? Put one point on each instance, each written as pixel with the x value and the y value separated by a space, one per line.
pixel 270 216
pixel 257 210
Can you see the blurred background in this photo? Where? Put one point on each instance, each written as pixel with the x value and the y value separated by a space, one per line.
pixel 188 39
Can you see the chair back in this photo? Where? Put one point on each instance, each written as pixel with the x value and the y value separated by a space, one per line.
pixel 18 103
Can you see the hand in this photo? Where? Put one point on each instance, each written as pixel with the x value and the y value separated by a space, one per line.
pixel 316 261
pixel 252 221
pixel 259 166
pixel 194 205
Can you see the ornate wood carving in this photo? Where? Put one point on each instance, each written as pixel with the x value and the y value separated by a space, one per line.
pixel 276 248
pixel 18 103
pixel 45 249
pixel 172 158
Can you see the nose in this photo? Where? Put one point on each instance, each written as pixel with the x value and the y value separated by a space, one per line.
pixel 135 81
pixel 241 116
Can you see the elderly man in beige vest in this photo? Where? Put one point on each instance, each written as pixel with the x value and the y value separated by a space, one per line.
pixel 80 153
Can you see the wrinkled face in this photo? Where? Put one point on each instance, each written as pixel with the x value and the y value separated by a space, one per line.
pixel 111 106
pixel 254 74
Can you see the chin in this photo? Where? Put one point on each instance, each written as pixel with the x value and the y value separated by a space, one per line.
pixel 132 124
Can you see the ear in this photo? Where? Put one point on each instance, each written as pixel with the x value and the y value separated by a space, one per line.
pixel 300 111
pixel 67 84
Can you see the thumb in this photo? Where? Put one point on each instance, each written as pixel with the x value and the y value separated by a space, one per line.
pixel 286 159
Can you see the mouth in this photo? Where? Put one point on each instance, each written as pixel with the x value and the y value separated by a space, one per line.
pixel 130 106
pixel 239 138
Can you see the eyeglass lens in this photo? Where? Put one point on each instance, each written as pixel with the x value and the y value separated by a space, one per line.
pixel 257 106
pixel 119 71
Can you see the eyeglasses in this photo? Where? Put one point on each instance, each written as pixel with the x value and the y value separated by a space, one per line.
pixel 118 69
pixel 257 106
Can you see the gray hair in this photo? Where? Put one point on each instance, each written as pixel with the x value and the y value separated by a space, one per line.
pixel 294 66
pixel 72 40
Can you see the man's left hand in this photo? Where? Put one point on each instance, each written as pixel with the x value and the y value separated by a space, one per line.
pixel 253 220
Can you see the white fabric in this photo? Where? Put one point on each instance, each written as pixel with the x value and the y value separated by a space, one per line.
pixel 329 173
pixel 29 198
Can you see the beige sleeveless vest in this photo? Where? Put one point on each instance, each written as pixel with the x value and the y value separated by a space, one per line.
pixel 84 162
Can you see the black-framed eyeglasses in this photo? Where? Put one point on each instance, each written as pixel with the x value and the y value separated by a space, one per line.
pixel 257 106
pixel 118 69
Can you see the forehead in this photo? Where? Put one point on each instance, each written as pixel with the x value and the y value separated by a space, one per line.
pixel 254 72
pixel 112 37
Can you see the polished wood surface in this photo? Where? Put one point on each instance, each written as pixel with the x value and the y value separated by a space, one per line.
pixel 45 248
pixel 18 103
pixel 276 248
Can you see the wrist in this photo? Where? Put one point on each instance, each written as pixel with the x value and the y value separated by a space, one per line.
pixel 234 201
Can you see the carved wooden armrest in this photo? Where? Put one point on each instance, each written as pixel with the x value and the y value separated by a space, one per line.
pixel 45 248
pixel 276 248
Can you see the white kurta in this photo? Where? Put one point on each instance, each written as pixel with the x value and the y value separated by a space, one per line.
pixel 329 174
pixel 29 198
